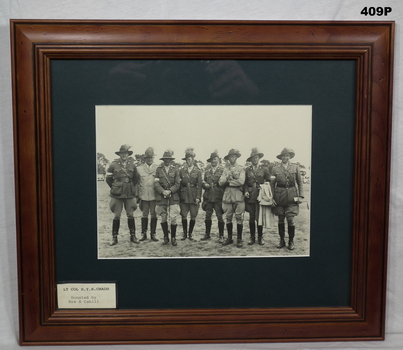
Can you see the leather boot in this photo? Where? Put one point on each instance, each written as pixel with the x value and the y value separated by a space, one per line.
pixel 260 240
pixel 281 232
pixel 144 224
pixel 132 229
pixel 239 228
pixel 229 238
pixel 208 230
pixel 185 229
pixel 221 231
pixel 164 226
pixel 252 229
pixel 291 234
pixel 192 223
pixel 153 228
pixel 173 235
pixel 115 231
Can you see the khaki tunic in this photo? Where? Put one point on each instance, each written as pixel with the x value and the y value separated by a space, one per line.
pixel 286 186
pixel 147 178
pixel 234 187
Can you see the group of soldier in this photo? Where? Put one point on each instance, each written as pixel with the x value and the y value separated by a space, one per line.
pixel 169 192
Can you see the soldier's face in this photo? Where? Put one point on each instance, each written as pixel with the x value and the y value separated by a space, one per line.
pixel 285 158
pixel 149 160
pixel 232 158
pixel 124 155
pixel 167 162
pixel 214 162
pixel 189 161
pixel 255 160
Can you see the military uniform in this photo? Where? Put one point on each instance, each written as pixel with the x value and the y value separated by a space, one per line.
pixel 147 174
pixel 287 187
pixel 190 191
pixel 122 177
pixel 167 179
pixel 212 198
pixel 233 179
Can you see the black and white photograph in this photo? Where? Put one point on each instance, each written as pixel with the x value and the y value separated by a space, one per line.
pixel 203 181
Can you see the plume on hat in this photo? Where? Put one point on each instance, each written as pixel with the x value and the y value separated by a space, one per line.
pixel 189 152
pixel 255 152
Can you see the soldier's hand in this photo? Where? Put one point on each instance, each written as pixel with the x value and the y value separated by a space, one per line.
pixel 247 194
pixel 274 203
pixel 207 185
pixel 197 201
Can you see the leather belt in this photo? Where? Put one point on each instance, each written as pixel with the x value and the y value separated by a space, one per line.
pixel 285 186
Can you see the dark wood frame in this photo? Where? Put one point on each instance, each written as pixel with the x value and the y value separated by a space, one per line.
pixel 36 43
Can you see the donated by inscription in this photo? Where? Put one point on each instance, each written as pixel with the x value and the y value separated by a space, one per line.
pixel 86 295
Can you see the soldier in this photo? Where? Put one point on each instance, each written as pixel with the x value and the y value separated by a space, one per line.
pixel 287 191
pixel 212 197
pixel 190 192
pixel 255 176
pixel 147 194
pixel 167 182
pixel 122 177
pixel 233 179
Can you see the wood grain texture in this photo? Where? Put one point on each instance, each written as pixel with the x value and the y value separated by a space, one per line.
pixel 36 43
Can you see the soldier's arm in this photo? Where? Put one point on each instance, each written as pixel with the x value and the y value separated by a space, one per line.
pixel 177 183
pixel 199 185
pixel 109 176
pixel 273 180
pixel 245 186
pixel 157 186
pixel 266 176
pixel 240 181
pixel 223 179
pixel 299 182
pixel 136 176
pixel 205 184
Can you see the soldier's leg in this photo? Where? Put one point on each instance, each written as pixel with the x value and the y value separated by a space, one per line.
pixel 239 213
pixel 174 212
pixel 152 205
pixel 291 232
pixel 208 221
pixel 184 210
pixel 281 231
pixel 260 240
pixel 116 206
pixel 130 205
pixel 194 210
pixel 228 209
pixel 161 210
pixel 219 212
pixel 251 209
pixel 145 207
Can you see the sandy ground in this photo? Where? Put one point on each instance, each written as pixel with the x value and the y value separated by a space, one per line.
pixel 197 248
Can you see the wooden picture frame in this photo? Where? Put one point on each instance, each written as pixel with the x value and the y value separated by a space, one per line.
pixel 35 43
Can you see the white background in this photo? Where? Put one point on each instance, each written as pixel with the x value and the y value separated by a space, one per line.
pixel 205 10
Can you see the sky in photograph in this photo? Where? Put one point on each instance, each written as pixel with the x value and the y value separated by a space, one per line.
pixel 206 129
